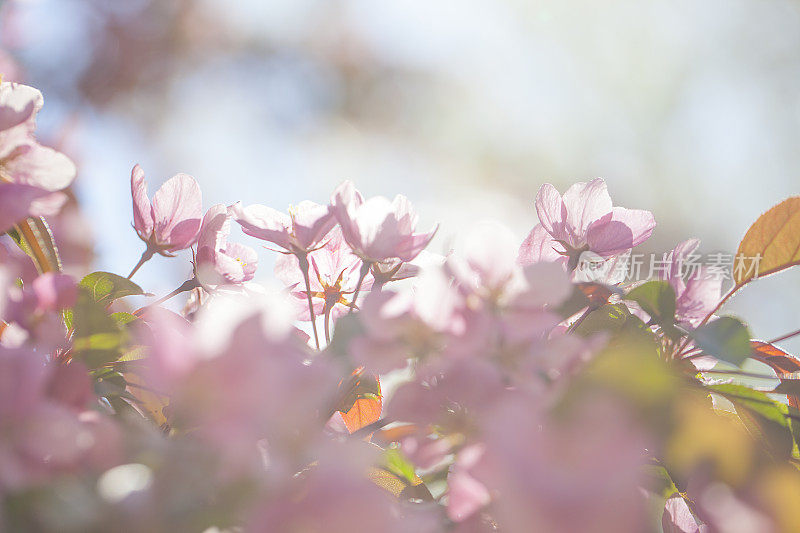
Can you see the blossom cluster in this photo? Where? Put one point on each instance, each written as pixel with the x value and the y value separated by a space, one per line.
pixel 498 386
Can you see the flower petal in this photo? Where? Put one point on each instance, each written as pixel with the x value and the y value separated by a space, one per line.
pixel 43 167
pixel 142 210
pixel 621 231
pixel 586 202
pixel 177 209
pixel 264 223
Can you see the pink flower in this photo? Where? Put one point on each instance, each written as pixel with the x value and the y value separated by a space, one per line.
pixel 45 430
pixel 377 229
pixel 581 220
pixel 466 495
pixel 18 201
pixel 333 276
pixel 219 261
pixel 548 477
pixel 298 232
pixel 172 221
pixel 29 172
pixel 697 292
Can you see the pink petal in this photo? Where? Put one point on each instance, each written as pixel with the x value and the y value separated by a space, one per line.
pixel 18 103
pixel 678 518
pixel 538 246
pixel 344 201
pixel 142 210
pixel 621 231
pixel 586 202
pixel 40 166
pixel 551 210
pixel 237 263
pixel 214 230
pixel 411 247
pixel 54 292
pixel 466 495
pixel 17 202
pixel 311 222
pixel 177 209
pixel 264 223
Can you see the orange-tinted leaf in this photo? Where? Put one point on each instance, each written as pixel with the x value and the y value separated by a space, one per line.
pixel 782 363
pixel 360 400
pixel 363 413
pixel 394 434
pixel 596 293
pixel 400 487
pixel 775 238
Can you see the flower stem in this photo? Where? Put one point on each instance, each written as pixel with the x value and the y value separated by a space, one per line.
pixel 302 259
pixel 186 286
pixel 784 337
pixel 327 324
pixel 146 255
pixel 365 266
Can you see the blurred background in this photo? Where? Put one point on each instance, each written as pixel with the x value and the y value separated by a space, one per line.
pixel 688 109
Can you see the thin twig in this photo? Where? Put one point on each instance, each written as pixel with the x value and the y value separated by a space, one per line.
pixel 302 259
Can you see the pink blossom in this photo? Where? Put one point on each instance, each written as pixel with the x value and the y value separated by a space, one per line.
pixel 697 292
pixel 42 421
pixel 217 260
pixel 298 232
pixel 29 172
pixel 18 201
pixel 333 276
pixel 54 292
pixel 550 477
pixel 583 219
pixel 256 386
pixel 466 495
pixel 376 229
pixel 172 221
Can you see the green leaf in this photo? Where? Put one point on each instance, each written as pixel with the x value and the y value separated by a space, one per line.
pixel 99 338
pixel 397 463
pixel 34 237
pixel 107 287
pixel 123 319
pixel 764 418
pixel 725 338
pixel 657 299
pixel 657 480
pixel 613 318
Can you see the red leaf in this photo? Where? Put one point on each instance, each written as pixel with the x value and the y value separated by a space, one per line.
pixel 781 362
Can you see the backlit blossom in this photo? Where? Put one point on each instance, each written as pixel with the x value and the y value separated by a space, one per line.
pixel 217 260
pixel 333 276
pixel 697 291
pixel 377 229
pixel 172 221
pixel 300 231
pixel 581 220
pixel 29 172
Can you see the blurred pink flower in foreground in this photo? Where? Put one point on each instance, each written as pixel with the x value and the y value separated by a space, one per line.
pixel 217 260
pixel 550 477
pixel 29 172
pixel 172 221
pixel 581 220
pixel 377 229
pixel 42 419
pixel 298 232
